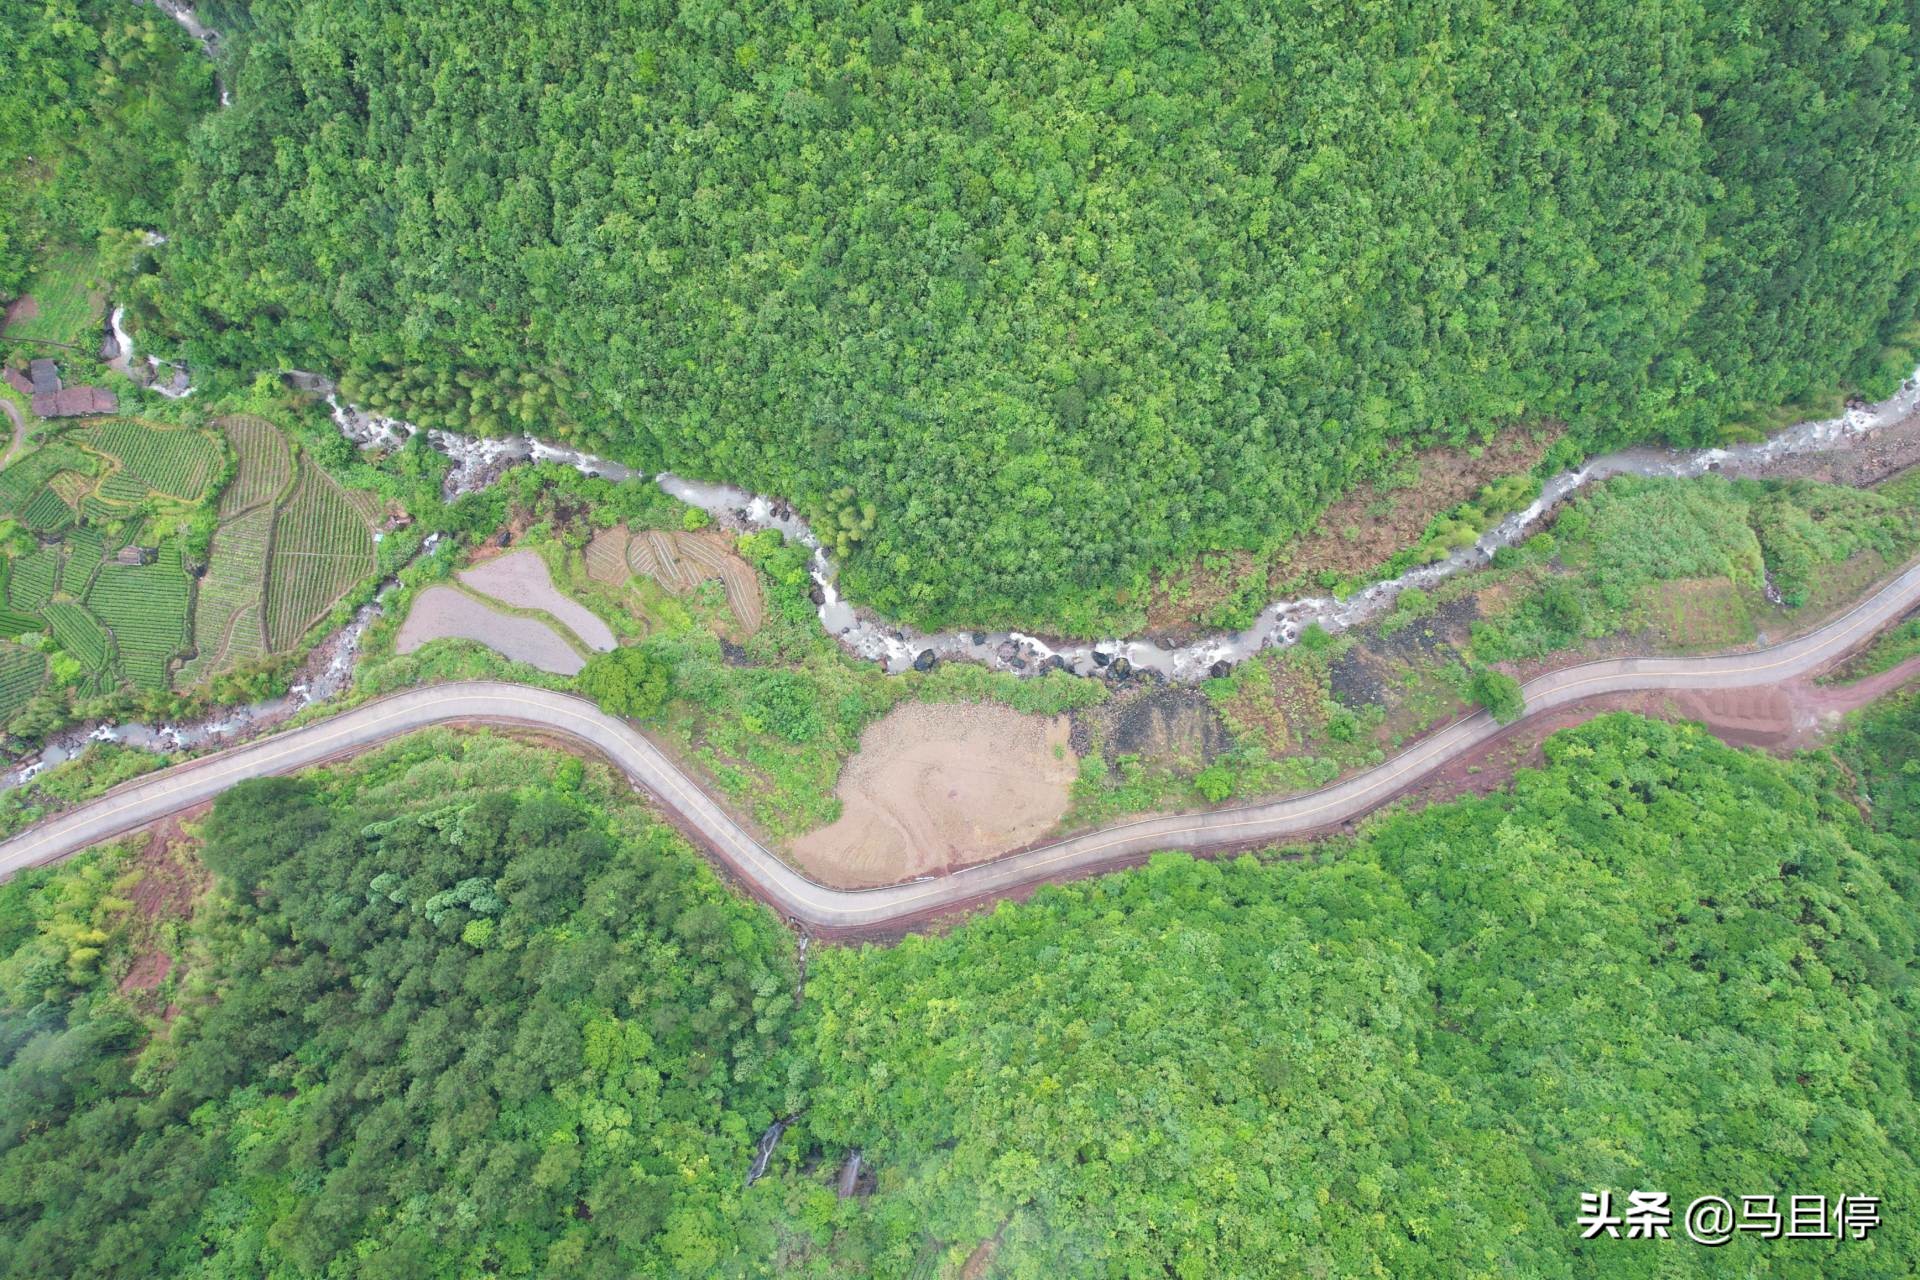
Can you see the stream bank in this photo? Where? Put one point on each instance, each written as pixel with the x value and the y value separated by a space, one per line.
pixel 478 462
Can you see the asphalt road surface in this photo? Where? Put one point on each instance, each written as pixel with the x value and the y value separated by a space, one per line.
pixel 183 786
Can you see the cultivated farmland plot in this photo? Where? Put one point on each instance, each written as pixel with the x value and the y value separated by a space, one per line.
pixel 31 584
pixel 265 464
pixel 682 561
pixel 290 543
pixel 322 548
pixel 145 607
pixel 46 513
pixel 80 634
pixel 22 672
pixel 176 461
pixel 86 547
pixel 227 626
pixel 27 479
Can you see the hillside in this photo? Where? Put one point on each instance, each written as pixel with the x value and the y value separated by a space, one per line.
pixel 524 1031
pixel 1032 302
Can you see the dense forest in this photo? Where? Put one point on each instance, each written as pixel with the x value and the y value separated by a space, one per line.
pixel 99 100
pixel 469 1011
pixel 1045 298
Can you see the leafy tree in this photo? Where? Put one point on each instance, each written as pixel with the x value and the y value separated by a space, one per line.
pixel 631 682
pixel 1499 693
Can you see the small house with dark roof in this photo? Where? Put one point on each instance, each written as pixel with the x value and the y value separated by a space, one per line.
pixel 45 377
pixel 76 402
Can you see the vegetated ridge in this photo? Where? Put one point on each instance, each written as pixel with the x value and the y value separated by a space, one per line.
pixel 1021 305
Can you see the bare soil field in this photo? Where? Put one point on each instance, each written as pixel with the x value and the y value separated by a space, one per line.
pixel 442 612
pixel 939 786
pixel 607 556
pixel 520 578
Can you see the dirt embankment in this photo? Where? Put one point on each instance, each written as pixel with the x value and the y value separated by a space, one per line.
pixel 171 880
pixel 937 786
pixel 1861 461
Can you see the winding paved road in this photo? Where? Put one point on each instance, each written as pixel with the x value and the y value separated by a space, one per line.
pixel 186 785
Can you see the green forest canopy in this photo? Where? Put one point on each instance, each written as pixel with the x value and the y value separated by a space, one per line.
pixel 1061 295
pixel 98 101
pixel 524 1031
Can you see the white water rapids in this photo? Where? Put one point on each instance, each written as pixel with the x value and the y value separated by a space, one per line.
pixel 477 461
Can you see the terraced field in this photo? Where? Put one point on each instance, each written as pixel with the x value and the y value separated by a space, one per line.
pixel 46 512
pixel 607 556
pixel 228 630
pixel 322 548
pixel 62 307
pixel 22 672
pixel 73 487
pixel 176 461
pixel 80 634
pixel 86 548
pixel 26 479
pixel 145 606
pixel 264 464
pixel 289 544
pixel 680 562
pixel 30 585
pixel 19 624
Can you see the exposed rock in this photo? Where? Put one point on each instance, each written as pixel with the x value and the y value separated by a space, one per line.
pixel 1220 668
pixel 1006 651
pixel 925 661
pixel 818 594
pixel 1120 669
pixel 1101 659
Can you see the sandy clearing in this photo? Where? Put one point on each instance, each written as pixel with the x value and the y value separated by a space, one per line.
pixel 442 612
pixel 520 578
pixel 938 786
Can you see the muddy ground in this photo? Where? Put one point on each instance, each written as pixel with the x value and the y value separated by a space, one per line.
pixel 520 578
pixel 936 786
pixel 442 612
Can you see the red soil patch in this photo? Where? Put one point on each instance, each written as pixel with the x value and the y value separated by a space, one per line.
pixel 1359 532
pixel 171 882
pixel 21 308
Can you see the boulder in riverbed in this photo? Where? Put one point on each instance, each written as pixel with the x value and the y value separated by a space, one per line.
pixel 925 661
